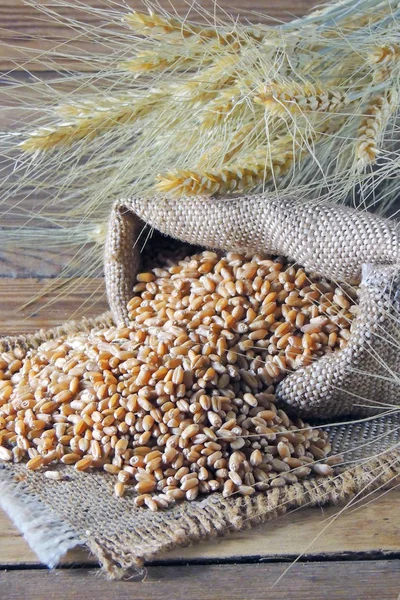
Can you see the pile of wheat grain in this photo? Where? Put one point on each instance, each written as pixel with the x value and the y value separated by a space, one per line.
pixel 181 402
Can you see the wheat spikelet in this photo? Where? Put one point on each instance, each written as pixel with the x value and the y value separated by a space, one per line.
pixel 372 128
pixel 384 59
pixel 204 86
pixel 293 98
pixel 385 54
pixel 155 25
pixel 223 153
pixel 226 105
pixel 86 107
pixel 153 61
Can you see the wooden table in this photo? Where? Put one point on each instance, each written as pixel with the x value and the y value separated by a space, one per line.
pixel 312 553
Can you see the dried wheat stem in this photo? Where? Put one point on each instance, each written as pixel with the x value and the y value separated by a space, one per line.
pixel 281 99
pixel 372 128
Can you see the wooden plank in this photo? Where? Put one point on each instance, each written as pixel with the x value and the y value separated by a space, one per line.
pixel 42 262
pixel 373 530
pixel 25 30
pixel 79 297
pixel 369 580
pixel 26 26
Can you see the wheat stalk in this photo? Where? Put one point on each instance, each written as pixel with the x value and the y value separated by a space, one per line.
pixel 213 105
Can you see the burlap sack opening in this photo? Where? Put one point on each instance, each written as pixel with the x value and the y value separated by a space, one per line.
pixel 337 242
pixel 55 516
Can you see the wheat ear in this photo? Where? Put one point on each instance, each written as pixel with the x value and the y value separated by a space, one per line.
pixel 228 104
pixel 205 85
pixel 372 128
pixel 282 99
pixel 266 163
pixel 153 25
pixel 249 172
pixel 224 152
pixel 154 61
pixel 88 122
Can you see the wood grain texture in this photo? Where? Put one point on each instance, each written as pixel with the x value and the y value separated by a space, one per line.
pixel 369 580
pixel 80 297
pixel 373 530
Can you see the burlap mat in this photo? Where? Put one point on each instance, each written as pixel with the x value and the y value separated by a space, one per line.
pixel 55 516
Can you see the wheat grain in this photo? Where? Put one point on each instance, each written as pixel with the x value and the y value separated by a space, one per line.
pixel 181 401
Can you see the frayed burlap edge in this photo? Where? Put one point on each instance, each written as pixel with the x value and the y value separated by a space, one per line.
pixel 50 536
pixel 33 340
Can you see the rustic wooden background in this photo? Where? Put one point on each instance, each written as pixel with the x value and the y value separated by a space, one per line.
pixel 357 557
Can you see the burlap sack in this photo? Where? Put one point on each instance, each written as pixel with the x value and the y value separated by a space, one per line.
pixel 55 516
pixel 335 241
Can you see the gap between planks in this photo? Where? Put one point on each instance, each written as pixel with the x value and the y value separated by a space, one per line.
pixel 371 530
pixel 370 580
pixel 74 299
